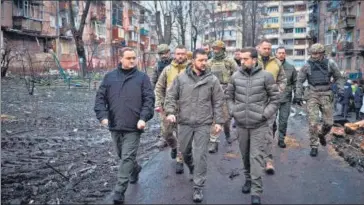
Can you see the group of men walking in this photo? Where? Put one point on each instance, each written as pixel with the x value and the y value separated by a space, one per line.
pixel 197 98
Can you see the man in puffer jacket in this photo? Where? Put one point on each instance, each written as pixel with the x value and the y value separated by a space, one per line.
pixel 197 98
pixel 253 98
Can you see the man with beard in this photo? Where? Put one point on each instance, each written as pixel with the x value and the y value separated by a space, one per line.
pixel 164 82
pixel 237 56
pixel 164 60
pixel 124 103
pixel 196 98
pixel 285 103
pixel 273 65
pixel 222 67
pixel 206 48
pixel 318 72
pixel 253 98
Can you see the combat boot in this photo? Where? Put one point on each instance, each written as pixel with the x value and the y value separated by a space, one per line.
pixel 228 138
pixel 134 177
pixel 322 140
pixel 197 195
pixel 255 199
pixel 213 147
pixel 314 152
pixel 179 168
pixel 269 168
pixel 174 153
pixel 118 198
pixel 247 186
pixel 281 144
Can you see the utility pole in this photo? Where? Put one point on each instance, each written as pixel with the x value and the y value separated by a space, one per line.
pixel 57 30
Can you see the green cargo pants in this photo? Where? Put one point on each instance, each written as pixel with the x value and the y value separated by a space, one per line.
pixel 252 144
pixel 315 104
pixel 126 146
pixel 284 111
pixel 193 142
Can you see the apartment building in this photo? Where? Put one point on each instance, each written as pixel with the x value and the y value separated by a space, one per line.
pixel 285 24
pixel 223 24
pixel 38 26
pixel 341 29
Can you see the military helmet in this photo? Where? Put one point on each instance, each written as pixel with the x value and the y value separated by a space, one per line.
pixel 317 48
pixel 219 44
pixel 162 48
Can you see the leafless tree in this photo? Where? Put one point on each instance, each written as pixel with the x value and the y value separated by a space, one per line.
pixel 163 13
pixel 78 32
pixel 7 55
pixel 198 18
pixel 180 9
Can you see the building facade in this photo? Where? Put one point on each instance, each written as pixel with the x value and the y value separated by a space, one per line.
pixel 285 24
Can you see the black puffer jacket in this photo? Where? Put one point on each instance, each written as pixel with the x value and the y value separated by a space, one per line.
pixel 252 97
pixel 124 99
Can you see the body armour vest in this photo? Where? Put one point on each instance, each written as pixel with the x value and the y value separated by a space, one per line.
pixel 320 74
pixel 218 68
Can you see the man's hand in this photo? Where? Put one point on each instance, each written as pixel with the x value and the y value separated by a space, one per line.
pixel 158 109
pixel 141 124
pixel 105 122
pixel 217 128
pixel 171 118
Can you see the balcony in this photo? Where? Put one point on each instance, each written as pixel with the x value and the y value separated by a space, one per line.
pixel 332 5
pixel 332 27
pixel 65 31
pixel 287 24
pixel 270 36
pixel 131 28
pixel 26 24
pixel 288 46
pixel 345 46
pixel 131 12
pixel 347 22
pixel 271 25
pixel 229 38
pixel 117 33
pixel 300 46
pixel 296 57
pixel 144 32
pixel 287 35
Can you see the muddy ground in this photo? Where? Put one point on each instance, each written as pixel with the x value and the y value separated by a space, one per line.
pixel 53 149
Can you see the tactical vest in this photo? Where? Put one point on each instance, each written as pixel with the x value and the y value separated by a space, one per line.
pixel 220 70
pixel 320 74
pixel 162 64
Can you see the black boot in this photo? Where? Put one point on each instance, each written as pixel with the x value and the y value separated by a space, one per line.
pixel 247 186
pixel 228 138
pixel 174 153
pixel 255 199
pixel 281 143
pixel 213 147
pixel 314 152
pixel 118 198
pixel 322 140
pixel 197 195
pixel 134 177
pixel 179 168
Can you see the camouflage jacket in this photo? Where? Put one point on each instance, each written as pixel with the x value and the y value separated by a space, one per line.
pixel 305 71
pixel 222 69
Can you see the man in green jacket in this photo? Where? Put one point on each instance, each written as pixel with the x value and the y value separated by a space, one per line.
pixel 196 97
pixel 286 98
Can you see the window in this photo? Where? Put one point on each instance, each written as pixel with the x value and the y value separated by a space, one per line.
pixel 301 7
pixel 117 15
pixel 272 20
pixel 348 63
pixel 357 63
pixel 349 36
pixel 33 11
pixel 100 30
pixel 288 19
pixel 288 30
pixel 288 9
pixel 300 42
pixel 288 42
pixel 52 21
pixel 300 18
pixel 271 31
pixel 274 41
pixel 300 52
pixel 133 36
pixel 300 30
pixel 272 9
pixel 357 35
pixel 328 38
pixel 358 10
pixel 289 52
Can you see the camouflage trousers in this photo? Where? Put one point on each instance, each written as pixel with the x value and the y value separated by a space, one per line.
pixel 215 137
pixel 319 103
pixel 169 134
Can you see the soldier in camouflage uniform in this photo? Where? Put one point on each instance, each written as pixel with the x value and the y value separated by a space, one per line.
pixel 223 68
pixel 285 102
pixel 164 60
pixel 206 47
pixel 318 71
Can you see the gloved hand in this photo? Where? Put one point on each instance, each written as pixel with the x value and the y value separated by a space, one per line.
pixel 298 101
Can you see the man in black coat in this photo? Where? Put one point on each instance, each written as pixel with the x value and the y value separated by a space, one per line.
pixel 124 103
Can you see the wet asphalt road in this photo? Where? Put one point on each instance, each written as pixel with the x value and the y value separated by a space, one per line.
pixel 299 178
